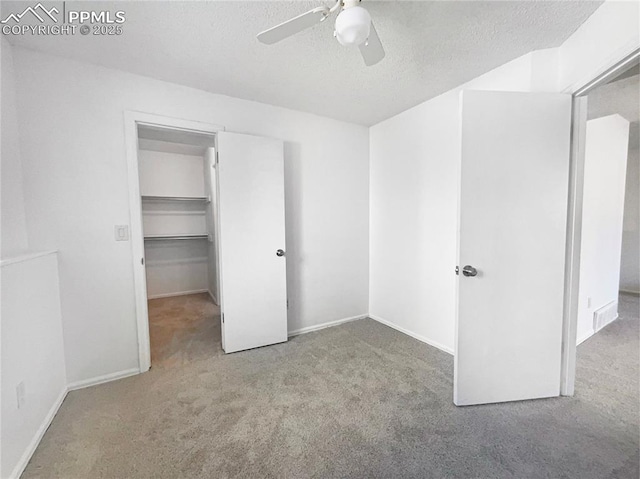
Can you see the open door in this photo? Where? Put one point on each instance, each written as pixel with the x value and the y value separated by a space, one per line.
pixel 251 233
pixel 514 191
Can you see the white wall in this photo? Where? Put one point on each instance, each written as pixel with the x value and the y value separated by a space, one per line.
pixel 415 159
pixel 176 267
pixel 630 261
pixel 32 353
pixel 605 168
pixel 173 217
pixel 170 174
pixel 31 344
pixel 75 174
pixel 173 267
pixel 13 221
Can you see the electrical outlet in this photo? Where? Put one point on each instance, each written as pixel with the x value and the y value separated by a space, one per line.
pixel 21 394
pixel 121 232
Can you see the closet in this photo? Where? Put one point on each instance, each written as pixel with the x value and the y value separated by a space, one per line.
pixel 177 189
pixel 208 239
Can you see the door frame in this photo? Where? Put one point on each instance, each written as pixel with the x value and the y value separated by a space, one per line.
pixel 615 65
pixel 131 121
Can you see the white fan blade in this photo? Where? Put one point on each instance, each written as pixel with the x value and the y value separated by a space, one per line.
pixel 293 26
pixel 372 50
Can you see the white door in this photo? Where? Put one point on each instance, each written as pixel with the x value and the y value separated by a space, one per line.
pixel 514 189
pixel 251 241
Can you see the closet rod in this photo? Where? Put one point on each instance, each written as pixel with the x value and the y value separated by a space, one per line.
pixel 174 237
pixel 176 198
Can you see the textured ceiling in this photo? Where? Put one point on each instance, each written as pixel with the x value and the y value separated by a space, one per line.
pixel 431 47
pixel 622 97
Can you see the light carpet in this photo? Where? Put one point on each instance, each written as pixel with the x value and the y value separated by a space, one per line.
pixel 358 400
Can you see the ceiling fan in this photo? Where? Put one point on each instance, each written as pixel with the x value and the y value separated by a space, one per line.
pixel 353 27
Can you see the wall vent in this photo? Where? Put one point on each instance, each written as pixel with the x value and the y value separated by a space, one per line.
pixel 605 315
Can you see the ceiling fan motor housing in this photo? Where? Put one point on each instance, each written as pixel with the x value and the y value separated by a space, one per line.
pixel 353 24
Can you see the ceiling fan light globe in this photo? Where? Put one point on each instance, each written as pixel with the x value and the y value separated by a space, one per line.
pixel 353 25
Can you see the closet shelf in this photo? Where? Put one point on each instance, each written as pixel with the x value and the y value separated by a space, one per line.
pixel 204 199
pixel 174 237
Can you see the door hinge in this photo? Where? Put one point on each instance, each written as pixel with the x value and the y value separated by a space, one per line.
pixel 142 261
pixel 217 158
pixel 223 317
pixel 287 304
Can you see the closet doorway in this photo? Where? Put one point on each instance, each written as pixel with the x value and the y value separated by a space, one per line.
pixel 177 191
pixel 208 239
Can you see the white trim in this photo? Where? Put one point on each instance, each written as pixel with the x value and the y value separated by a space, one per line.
pixel 131 121
pixel 107 378
pixel 180 293
pixel 213 298
pixel 573 246
pixel 329 324
pixel 584 337
pixel 26 257
pixel 610 68
pixel 420 338
pixel 574 224
pixel 35 442
pixel 137 241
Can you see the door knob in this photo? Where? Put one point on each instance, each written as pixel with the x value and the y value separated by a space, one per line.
pixel 280 252
pixel 469 270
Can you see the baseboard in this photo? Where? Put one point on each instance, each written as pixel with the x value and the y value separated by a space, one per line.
pixel 213 298
pixel 628 291
pixel 428 341
pixel 182 293
pixel 317 327
pixel 33 445
pixel 584 337
pixel 85 383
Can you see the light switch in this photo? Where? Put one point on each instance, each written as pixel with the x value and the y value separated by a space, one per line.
pixel 122 232
pixel 21 394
